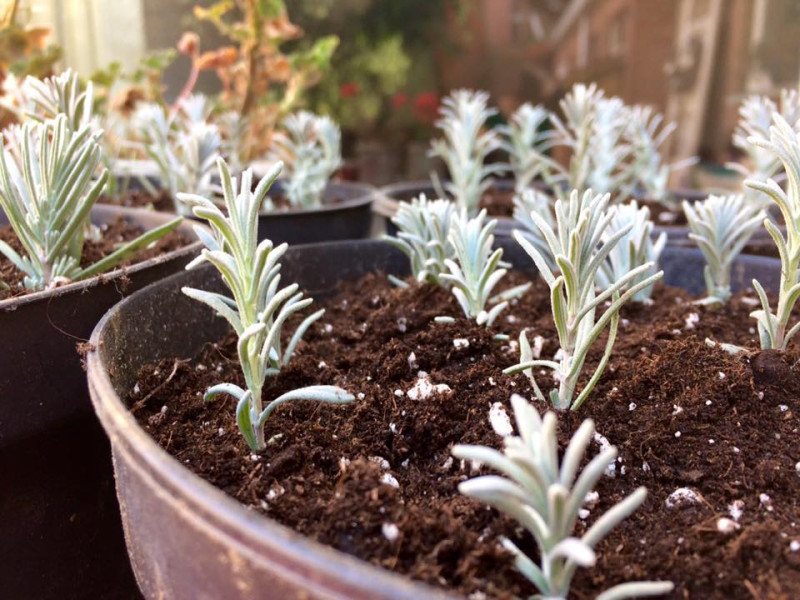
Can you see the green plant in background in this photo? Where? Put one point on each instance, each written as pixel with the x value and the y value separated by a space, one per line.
pixel 528 142
pixel 356 92
pixel 184 150
pixel 633 250
pixel 311 150
pixel 423 234
pixel 381 64
pixel 465 147
pixel 47 188
pixel 755 120
pixel 474 270
pixel 545 497
pixel 721 226
pixel 258 309
pixel 578 246
pixel 784 143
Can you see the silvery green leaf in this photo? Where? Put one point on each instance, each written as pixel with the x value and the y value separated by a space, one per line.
pixel 259 308
pixel 638 589
pixel 541 497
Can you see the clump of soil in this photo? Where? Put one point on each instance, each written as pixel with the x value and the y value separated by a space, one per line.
pixel 115 233
pixel 682 414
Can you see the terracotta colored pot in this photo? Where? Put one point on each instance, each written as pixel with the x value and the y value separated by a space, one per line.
pixel 186 538
pixel 59 522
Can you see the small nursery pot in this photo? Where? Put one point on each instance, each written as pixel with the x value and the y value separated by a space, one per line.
pixel 60 525
pixel 345 214
pixel 186 538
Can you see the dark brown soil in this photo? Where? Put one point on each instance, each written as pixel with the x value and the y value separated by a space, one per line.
pixel 115 233
pixel 162 201
pixel 662 216
pixel 681 413
pixel 498 202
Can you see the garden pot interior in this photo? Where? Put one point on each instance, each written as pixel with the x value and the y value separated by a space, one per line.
pixel 346 214
pixel 183 534
pixel 60 527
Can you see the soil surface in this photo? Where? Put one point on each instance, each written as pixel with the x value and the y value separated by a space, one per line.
pixel 375 478
pixel 113 234
pixel 498 202
pixel 161 201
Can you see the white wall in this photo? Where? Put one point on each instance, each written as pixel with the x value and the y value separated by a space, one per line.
pixel 94 32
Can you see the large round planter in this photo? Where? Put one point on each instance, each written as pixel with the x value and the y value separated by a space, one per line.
pixel 186 538
pixel 60 525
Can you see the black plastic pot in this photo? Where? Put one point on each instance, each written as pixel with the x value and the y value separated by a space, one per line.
pixel 59 522
pixel 186 538
pixel 346 214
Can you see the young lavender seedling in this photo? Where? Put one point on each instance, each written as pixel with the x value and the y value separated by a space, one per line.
pixel 60 94
pixel 634 249
pixel 784 143
pixel 578 246
pixel 528 144
pixel 311 151
pixel 235 147
pixel 721 226
pixel 424 236
pixel 47 189
pixel 184 148
pixel 475 269
pixel 465 147
pixel 755 120
pixel 545 498
pixel 258 309
pixel 610 165
pixel 534 201
pixel 592 129
pixel 646 134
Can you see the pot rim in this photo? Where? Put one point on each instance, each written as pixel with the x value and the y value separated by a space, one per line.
pixel 79 287
pixel 367 196
pixel 219 511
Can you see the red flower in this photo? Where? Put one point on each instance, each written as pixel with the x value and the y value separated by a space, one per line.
pixel 399 100
pixel 426 107
pixel 349 89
